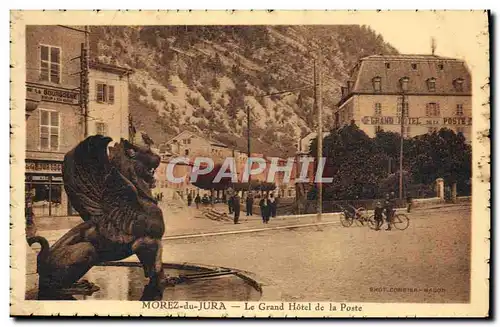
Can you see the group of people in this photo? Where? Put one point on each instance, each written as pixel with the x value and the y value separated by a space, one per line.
pixel 197 200
pixel 268 206
pixel 388 208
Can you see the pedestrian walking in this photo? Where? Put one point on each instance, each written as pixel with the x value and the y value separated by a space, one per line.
pixel 273 205
pixel 409 203
pixel 249 204
pixel 230 204
pixel 389 207
pixel 197 201
pixel 264 209
pixel 236 208
pixel 379 210
pixel 190 199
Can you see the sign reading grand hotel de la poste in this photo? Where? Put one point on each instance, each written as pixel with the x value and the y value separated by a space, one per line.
pixel 425 121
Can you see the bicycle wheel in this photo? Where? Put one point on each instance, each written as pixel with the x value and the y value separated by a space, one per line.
pixel 371 222
pixel 401 221
pixel 346 222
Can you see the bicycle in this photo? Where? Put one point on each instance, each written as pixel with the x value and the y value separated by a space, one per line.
pixel 399 221
pixel 356 214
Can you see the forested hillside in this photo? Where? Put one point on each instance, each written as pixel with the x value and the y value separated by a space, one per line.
pixel 202 78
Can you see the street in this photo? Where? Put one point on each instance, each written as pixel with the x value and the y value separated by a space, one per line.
pixel 349 264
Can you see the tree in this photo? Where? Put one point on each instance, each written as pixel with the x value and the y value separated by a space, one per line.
pixel 442 154
pixel 354 163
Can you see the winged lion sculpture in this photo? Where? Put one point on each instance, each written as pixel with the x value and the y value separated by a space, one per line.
pixel 112 194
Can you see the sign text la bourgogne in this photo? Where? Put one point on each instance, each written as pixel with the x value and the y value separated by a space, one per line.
pixel 394 120
pixel 55 95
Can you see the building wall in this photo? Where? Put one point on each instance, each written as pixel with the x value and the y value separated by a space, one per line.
pixel 68 137
pixel 43 166
pixel 68 40
pixel 69 115
pixel 197 146
pixel 364 106
pixel 115 115
pixel 348 111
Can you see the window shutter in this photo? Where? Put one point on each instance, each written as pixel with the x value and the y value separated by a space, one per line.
pixel 105 93
pixel 111 94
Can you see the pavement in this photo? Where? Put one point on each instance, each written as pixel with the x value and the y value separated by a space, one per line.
pixel 355 264
pixel 186 222
pixel 331 262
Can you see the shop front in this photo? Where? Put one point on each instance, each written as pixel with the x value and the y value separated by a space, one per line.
pixel 44 183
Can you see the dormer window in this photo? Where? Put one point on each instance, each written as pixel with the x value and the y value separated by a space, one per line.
pixel 459 84
pixel 387 65
pixel 431 84
pixel 414 66
pixel 377 84
pixel 441 66
pixel 403 82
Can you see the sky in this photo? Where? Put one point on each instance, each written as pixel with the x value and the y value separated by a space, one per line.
pixel 456 33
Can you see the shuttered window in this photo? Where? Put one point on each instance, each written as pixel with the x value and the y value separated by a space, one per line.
pixel 105 93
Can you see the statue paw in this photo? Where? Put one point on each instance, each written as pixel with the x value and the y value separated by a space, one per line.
pixel 81 287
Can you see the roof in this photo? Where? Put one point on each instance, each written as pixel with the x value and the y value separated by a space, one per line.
pixel 189 133
pixel 110 68
pixel 445 71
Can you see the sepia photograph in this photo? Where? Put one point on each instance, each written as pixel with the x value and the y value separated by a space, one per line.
pixel 272 166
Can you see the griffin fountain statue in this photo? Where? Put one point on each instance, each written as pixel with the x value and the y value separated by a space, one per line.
pixel 112 194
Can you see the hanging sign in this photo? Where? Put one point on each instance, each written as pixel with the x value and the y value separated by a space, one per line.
pixel 54 95
pixel 41 166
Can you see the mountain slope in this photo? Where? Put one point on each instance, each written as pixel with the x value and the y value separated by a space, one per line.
pixel 203 78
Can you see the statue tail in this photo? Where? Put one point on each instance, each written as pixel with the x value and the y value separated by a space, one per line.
pixel 44 252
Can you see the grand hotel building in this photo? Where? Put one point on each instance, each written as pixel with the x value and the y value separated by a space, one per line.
pixel 435 92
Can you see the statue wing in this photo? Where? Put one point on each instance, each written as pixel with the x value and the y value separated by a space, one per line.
pixel 84 172
pixel 91 181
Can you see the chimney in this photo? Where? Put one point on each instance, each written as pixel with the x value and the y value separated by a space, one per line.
pixel 433 46
pixel 343 89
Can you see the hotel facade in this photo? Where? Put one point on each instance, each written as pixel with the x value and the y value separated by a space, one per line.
pixel 434 91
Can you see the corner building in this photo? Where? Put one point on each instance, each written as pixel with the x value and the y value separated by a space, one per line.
pixel 434 91
pixel 53 116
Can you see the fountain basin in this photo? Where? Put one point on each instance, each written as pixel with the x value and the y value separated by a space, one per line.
pixel 125 281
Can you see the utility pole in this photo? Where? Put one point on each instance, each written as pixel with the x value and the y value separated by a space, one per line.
pixel 84 86
pixel 248 149
pixel 403 111
pixel 318 100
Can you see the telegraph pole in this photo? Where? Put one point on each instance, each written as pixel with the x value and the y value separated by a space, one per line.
pixel 403 110
pixel 248 148
pixel 84 86
pixel 319 104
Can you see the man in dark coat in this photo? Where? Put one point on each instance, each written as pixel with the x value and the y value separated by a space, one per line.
pixel 190 199
pixel 249 204
pixel 273 205
pixel 236 208
pixel 197 201
pixel 230 204
pixel 264 209
pixel 389 205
